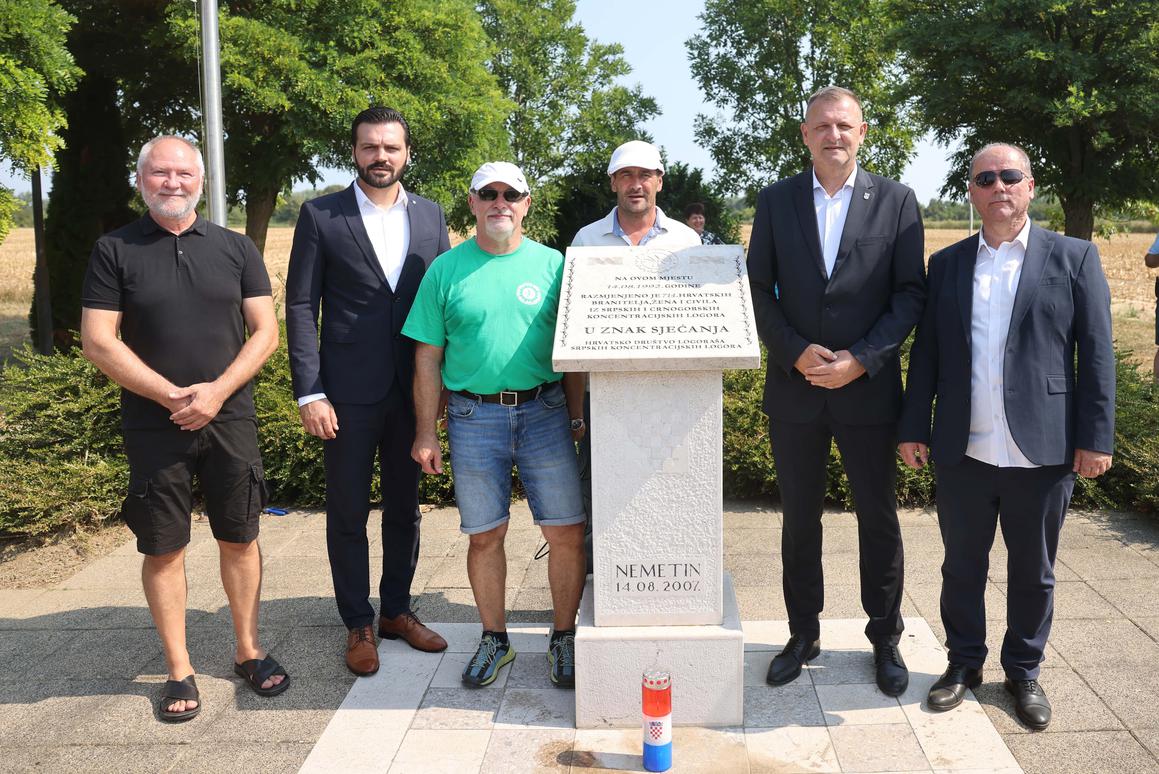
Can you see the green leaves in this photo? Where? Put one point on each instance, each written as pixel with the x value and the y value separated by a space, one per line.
pixel 758 62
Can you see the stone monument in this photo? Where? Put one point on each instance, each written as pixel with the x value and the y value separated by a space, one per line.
pixel 654 328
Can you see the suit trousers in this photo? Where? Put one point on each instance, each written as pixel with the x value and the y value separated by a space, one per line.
pixel 801 455
pixel 1030 504
pixel 385 427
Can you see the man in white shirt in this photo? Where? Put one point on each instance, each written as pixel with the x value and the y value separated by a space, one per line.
pixel 357 260
pixel 838 281
pixel 636 173
pixel 1011 311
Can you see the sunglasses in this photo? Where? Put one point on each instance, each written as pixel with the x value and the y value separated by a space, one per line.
pixel 1008 177
pixel 490 195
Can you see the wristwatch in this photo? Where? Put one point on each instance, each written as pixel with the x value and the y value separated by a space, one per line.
pixel 577 424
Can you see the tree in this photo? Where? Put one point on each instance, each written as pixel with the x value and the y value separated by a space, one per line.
pixel 36 69
pixel 1074 82
pixel 568 111
pixel 294 73
pixel 759 61
pixel 684 185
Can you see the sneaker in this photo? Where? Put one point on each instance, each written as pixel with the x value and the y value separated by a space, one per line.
pixel 491 656
pixel 561 656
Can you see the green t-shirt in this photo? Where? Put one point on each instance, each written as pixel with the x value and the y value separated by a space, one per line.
pixel 494 315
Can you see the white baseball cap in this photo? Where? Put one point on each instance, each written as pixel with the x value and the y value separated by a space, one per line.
pixel 500 172
pixel 635 153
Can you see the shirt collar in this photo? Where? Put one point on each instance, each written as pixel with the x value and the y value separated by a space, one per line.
pixel 849 181
pixel 658 226
pixel 366 205
pixel 149 226
pixel 1022 238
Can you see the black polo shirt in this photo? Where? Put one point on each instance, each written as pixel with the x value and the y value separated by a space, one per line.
pixel 180 301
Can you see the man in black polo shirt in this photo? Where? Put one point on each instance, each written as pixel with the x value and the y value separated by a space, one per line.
pixel 182 292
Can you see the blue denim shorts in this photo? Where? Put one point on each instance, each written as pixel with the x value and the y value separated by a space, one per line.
pixel 487 439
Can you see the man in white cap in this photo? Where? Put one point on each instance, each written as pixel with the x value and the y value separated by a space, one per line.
pixel 484 322
pixel 637 175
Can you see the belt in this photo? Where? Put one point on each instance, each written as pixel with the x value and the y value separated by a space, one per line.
pixel 508 397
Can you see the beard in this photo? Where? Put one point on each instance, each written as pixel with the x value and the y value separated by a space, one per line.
pixel 368 174
pixel 501 231
pixel 172 207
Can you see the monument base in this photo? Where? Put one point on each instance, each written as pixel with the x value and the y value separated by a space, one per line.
pixel 706 663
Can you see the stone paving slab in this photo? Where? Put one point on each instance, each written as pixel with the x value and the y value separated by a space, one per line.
pixel 828 720
pixel 80 667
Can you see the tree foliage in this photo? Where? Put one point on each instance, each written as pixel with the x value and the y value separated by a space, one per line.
pixel 569 112
pixel 757 62
pixel 295 72
pixel 684 185
pixel 36 69
pixel 1075 82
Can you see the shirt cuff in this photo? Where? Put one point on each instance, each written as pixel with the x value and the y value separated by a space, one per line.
pixel 302 401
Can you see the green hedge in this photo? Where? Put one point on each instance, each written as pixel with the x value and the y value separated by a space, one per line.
pixel 61 464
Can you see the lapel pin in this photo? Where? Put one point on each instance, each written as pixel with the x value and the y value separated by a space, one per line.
pixel 865 195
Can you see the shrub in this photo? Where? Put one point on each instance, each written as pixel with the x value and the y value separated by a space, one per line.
pixel 62 465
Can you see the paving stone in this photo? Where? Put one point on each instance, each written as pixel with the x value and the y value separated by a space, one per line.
pixel 110 572
pixel 758 571
pixel 212 651
pixel 795 704
pixel 532 604
pixel 607 750
pixel 33 713
pixel 1128 691
pixel 98 654
pixel 23 650
pixel 462 708
pixel 738 516
pixel 1150 625
pixel 259 755
pixel 963 739
pixel 298 715
pixel 1084 643
pixel 127 759
pixel 311 651
pixel 128 715
pixel 1074 707
pixel 891 747
pixel 1099 563
pixel 790 750
pixel 85 609
pixel 761 603
pixel 441 752
pixel 1133 597
pixel 1080 599
pixel 539 751
pixel 834 667
pixel 763 542
pixel 858 704
pixel 537 708
pixel 13 602
pixel 446 605
pixel 1081 752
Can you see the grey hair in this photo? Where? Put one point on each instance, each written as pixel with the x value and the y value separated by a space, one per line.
pixel 147 148
pixel 832 93
pixel 1008 146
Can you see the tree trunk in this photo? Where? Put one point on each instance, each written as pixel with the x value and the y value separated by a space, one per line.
pixel 259 207
pixel 1078 217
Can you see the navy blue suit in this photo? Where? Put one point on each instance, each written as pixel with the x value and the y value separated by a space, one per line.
pixel 365 366
pixel 1058 380
pixel 868 306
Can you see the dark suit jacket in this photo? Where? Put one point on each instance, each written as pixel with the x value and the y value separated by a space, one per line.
pixel 1062 307
pixel 869 305
pixel 333 266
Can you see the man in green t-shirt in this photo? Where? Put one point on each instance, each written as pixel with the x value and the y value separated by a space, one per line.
pixel 484 322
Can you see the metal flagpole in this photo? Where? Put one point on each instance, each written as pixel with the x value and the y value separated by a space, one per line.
pixel 211 108
pixel 42 289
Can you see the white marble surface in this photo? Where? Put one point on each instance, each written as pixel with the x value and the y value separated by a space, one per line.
pixel 820 725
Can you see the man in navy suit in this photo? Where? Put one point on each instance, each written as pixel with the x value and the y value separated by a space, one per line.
pixel 838 279
pixel 360 254
pixel 1011 311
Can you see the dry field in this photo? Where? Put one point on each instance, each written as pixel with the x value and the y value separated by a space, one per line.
pixel 1132 284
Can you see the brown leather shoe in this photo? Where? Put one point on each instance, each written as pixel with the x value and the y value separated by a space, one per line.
pixel 361 651
pixel 408 626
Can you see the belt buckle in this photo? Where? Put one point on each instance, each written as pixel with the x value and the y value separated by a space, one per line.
pixel 503 398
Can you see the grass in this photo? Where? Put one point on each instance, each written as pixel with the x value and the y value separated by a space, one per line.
pixel 1132 284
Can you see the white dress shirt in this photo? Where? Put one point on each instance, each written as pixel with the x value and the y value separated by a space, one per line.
pixel 996 274
pixel 831 212
pixel 389 232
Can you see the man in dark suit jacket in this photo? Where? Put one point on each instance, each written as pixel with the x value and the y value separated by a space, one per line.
pixel 360 255
pixel 837 274
pixel 1009 311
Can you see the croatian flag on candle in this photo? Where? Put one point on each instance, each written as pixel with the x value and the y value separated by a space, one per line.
pixel 657 701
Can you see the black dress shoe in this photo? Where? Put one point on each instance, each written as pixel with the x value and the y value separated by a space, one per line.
pixel 1030 702
pixel 950 688
pixel 892 675
pixel 786 666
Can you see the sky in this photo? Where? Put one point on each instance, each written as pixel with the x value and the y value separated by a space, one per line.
pixel 652 34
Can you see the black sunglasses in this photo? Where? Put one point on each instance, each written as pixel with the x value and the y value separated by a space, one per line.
pixel 1008 177
pixel 490 195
